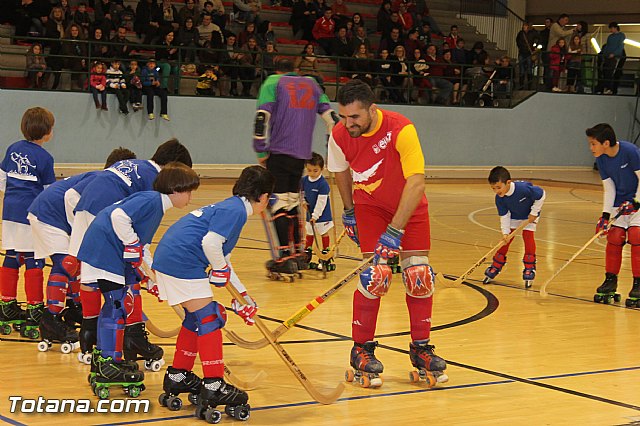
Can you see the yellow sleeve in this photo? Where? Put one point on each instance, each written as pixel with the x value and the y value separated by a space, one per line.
pixel 411 157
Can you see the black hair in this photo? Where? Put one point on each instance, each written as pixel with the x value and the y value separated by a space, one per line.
pixel 253 182
pixel 119 154
pixel 176 177
pixel 356 90
pixel 564 15
pixel 315 160
pixel 584 28
pixel 602 132
pixel 499 174
pixel 614 25
pixel 454 26
pixel 284 65
pixel 172 150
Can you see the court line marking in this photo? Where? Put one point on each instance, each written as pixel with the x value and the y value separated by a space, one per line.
pixel 11 421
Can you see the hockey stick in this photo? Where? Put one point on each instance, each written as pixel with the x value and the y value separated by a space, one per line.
pixel 332 251
pixel 490 253
pixel 300 376
pixel 301 313
pixel 543 289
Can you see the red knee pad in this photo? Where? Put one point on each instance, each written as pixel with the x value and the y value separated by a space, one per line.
pixel 615 242
pixel 71 265
pixel 616 236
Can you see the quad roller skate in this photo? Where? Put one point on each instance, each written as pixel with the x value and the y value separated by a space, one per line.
pixel 429 366
pixel 11 316
pixel 394 264
pixel 136 343
pixel 88 338
pixel 634 295
pixel 496 266
pixel 54 330
pixel 283 270
pixel 216 392
pixel 178 381
pixel 32 317
pixel 72 315
pixel 110 373
pixel 366 367
pixel 529 271
pixel 606 293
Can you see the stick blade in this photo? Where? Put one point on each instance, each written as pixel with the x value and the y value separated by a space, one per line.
pixel 244 384
pixel 243 343
pixel 326 398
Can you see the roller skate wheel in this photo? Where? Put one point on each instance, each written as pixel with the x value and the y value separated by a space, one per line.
pixel 153 365
pixel 229 410
pixel 364 381
pixel 93 387
pixel 162 399
pixel 6 329
pixel 43 346
pixel 375 382
pixel 194 398
pixel 288 278
pixel 607 300
pixel 430 379
pixel 349 376
pixel 200 411
pixel 414 377
pixel 242 412
pixel 174 403
pixel 528 284
pixel 133 391
pixel 629 303
pixel 597 298
pixel 486 280
pixel 75 345
pixel 102 393
pixel 212 416
pixel 66 348
pixel 16 327
pixel 441 377
pixel 617 298
pixel 85 358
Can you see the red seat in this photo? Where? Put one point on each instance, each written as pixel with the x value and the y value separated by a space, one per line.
pixel 14 82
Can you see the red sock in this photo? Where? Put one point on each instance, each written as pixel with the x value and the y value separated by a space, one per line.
pixel 325 241
pixel 186 349
pixel 420 316
pixel 309 241
pixel 34 285
pixel 91 301
pixel 9 283
pixel 529 242
pixel 136 314
pixel 74 289
pixel 210 348
pixel 365 316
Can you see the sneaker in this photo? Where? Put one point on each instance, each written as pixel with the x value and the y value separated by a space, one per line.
pixel 104 107
pixel 556 89
pixel 608 92
pixel 165 117
pixel 152 116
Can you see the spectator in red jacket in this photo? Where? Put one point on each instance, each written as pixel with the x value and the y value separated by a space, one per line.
pixel 436 76
pixel 323 31
pixel 405 17
pixel 98 85
pixel 452 38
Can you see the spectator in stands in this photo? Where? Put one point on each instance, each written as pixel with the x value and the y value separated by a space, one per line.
pixel 55 29
pixel 453 73
pixel 526 40
pixel 420 72
pixel 265 34
pixel 400 74
pixel 150 79
pixel 404 17
pixel 121 47
pixel 544 34
pixel 360 65
pixel 582 30
pixel 303 17
pixel 187 38
pixel 206 83
pixel 31 17
pixel 393 24
pixel 359 38
pixel 170 18
pixel 189 10
pixel 384 16
pixel 117 85
pixel 167 57
pixel 230 60
pixel 98 85
pixel 413 42
pixel 574 63
pixel 558 62
pixel 248 32
pixel 477 53
pixel 559 30
pixel 322 6
pixel 36 67
pixel 106 15
pixel 340 13
pixel 382 70
pixel 76 52
pixel 323 31
pixel 99 50
pixel 357 21
pixel 66 9
pixel 135 86
pixel 269 56
pixel 210 37
pixel 307 64
pixel 341 47
pixel 436 76
pixel 613 56
pixel 207 10
pixel 424 33
pixel 247 10
pixel 147 23
pixel 250 61
pixel 392 42
pixel 82 17
pixel 459 54
pixel 219 15
pixel 452 38
pixel 502 80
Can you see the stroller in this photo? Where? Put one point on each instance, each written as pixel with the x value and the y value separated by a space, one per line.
pixel 480 91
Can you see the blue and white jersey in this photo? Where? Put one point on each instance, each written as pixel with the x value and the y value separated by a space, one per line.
pixel 28 168
pixel 49 206
pixel 519 202
pixel 314 189
pixel 102 249
pixel 116 183
pixel 621 169
pixel 180 253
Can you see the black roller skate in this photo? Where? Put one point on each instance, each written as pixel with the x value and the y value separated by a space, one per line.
pixel 136 342
pixel 366 367
pixel 32 317
pixel 216 392
pixel 88 338
pixel 11 316
pixel 72 315
pixel 110 373
pixel 54 330
pixel 285 269
pixel 529 271
pixel 634 295
pixel 496 266
pixel 394 264
pixel 178 381
pixel 607 291
pixel 430 367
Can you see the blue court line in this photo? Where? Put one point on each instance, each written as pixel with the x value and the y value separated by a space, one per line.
pixel 399 393
pixel 10 421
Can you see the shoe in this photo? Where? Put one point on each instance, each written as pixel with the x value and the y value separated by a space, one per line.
pixel 165 117
pixel 556 89
pixel 152 116
pixel 608 92
pixel 104 107
pixel 124 111
pixel 98 105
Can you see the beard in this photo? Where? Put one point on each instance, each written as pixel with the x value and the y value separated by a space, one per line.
pixel 357 131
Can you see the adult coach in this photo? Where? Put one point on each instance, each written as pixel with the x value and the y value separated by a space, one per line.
pixel 379 167
pixel 283 135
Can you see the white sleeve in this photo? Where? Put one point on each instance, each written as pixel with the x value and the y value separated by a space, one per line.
pixel 71 198
pixel 537 205
pixel 336 161
pixel 637 196
pixel 328 120
pixel 321 203
pixel 609 196
pixel 505 223
pixel 234 279
pixel 147 258
pixel 212 247
pixel 3 180
pixel 123 227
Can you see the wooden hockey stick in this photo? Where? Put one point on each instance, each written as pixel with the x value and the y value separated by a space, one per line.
pixel 300 376
pixel 301 313
pixel 332 251
pixel 490 253
pixel 543 289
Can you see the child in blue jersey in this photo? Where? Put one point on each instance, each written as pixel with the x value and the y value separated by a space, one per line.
pixel 205 238
pixel 25 171
pixel 51 218
pixel 316 196
pixel 111 253
pixel 517 201
pixel 619 166
pixel 117 182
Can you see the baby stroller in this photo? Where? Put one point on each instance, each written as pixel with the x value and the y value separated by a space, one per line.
pixel 486 96
pixel 480 92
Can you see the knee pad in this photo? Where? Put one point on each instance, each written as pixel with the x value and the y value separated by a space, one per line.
pixel 11 260
pixel 616 236
pixel 190 321
pixel 56 292
pixel 71 265
pixel 294 201
pixel 29 261
pixel 210 318
pixel 281 202
pixel 418 277
pixel 133 293
pixel 633 235
pixel 113 308
pixel 375 281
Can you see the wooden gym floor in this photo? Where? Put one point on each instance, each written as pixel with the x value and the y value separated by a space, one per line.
pixel 513 357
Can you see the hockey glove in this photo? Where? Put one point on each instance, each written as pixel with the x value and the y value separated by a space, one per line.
pixel 628 207
pixel 220 277
pixel 389 243
pixel 246 312
pixel 349 222
pixel 603 223
pixel 133 254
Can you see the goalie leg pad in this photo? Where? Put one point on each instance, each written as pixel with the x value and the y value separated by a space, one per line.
pixel 615 242
pixel 375 281
pixel 634 240
pixel 418 277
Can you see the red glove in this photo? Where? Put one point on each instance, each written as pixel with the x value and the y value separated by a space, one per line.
pixel 247 311
pixel 628 207
pixel 603 224
pixel 133 254
pixel 220 277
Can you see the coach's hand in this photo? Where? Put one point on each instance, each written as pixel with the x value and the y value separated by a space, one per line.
pixel 349 222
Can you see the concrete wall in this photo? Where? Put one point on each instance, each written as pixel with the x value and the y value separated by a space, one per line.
pixel 546 130
pixel 593 11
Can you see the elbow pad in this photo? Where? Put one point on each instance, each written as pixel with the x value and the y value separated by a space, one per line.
pixel 261 125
